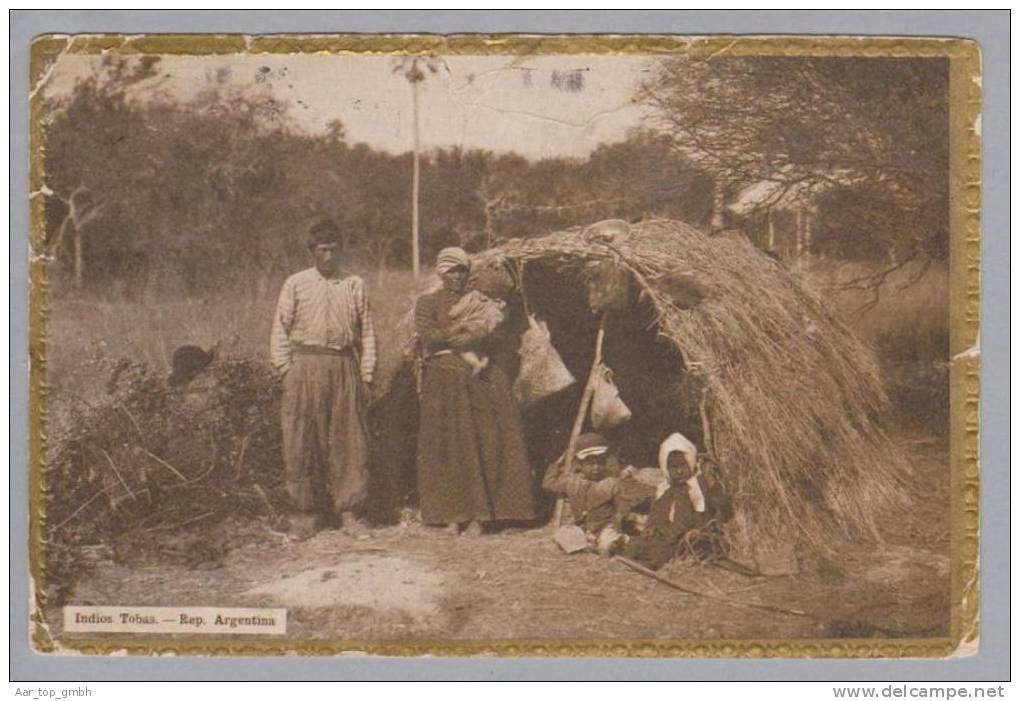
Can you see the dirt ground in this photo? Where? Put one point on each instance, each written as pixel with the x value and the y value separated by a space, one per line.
pixel 410 582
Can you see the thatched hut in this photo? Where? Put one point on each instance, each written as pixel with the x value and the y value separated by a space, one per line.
pixel 713 338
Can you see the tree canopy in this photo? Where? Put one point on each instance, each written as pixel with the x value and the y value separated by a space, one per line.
pixel 221 187
pixel 850 127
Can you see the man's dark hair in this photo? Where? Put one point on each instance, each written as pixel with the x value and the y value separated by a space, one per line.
pixel 325 231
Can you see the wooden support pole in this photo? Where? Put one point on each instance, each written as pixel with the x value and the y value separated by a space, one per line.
pixel 808 219
pixel 800 233
pixel 717 220
pixel 771 245
pixel 582 411
pixel 706 428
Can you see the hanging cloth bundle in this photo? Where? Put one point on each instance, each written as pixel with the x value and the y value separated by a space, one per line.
pixel 542 372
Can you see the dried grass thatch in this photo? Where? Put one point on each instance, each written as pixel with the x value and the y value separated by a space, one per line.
pixel 791 402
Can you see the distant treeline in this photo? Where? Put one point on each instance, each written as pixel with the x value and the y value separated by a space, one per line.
pixel 221 188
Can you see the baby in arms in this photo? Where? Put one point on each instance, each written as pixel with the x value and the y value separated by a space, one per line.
pixel 473 317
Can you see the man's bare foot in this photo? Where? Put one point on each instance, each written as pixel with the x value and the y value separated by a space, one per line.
pixel 301 526
pixel 327 521
pixel 352 525
pixel 474 529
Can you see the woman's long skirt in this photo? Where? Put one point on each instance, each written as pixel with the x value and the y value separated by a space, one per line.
pixel 472 462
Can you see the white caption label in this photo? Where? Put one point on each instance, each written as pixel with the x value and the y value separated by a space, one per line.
pixel 169 619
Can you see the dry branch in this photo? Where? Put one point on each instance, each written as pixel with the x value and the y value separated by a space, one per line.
pixel 164 463
pixel 120 478
pixel 712 597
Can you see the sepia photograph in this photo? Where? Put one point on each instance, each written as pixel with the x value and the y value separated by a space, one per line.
pixel 512 345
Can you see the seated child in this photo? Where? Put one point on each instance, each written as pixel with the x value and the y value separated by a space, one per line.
pixel 601 490
pixel 683 504
pixel 475 316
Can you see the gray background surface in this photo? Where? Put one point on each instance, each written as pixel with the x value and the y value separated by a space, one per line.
pixel 989 28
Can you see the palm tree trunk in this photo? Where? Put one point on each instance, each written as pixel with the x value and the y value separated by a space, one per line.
pixel 415 263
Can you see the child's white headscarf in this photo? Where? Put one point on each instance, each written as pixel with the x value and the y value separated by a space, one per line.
pixel 678 443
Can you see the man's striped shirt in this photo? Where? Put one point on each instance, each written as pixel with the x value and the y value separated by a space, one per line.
pixel 323 312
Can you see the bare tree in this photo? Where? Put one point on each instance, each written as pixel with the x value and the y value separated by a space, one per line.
pixel 82 208
pixel 83 182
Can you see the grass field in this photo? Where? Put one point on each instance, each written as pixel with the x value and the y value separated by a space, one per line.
pixel 910 322
pixel 908 328
pixel 149 327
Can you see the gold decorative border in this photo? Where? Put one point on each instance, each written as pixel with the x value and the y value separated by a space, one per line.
pixel 964 202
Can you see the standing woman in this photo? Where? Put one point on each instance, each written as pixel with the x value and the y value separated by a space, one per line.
pixel 472 463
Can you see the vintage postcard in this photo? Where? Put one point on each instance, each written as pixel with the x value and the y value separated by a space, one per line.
pixel 512 345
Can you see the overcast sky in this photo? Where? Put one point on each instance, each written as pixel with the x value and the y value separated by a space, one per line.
pixel 536 106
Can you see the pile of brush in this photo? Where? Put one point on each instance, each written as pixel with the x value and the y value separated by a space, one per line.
pixel 151 457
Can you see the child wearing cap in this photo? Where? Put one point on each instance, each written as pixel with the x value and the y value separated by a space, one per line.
pixel 600 489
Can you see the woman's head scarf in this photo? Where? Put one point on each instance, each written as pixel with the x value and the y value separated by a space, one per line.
pixel 450 258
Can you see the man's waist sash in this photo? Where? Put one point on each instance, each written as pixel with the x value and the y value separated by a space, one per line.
pixel 321 350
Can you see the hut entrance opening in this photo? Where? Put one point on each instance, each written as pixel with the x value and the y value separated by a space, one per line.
pixel 648 370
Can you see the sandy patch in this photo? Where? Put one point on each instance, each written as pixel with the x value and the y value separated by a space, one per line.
pixel 382 583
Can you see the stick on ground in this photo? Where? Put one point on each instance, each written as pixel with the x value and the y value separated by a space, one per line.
pixel 670 583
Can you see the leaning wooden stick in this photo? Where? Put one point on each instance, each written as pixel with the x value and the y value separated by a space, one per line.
pixel 582 411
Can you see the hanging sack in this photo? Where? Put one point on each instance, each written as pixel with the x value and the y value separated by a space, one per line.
pixel 607 409
pixel 542 372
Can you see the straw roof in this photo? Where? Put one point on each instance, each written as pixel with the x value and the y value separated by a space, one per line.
pixel 792 399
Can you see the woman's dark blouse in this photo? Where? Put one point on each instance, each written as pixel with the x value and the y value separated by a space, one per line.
pixel 432 324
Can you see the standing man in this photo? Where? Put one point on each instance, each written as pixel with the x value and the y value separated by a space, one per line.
pixel 323 345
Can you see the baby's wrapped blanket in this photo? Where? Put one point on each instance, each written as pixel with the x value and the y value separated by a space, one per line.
pixel 474 317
